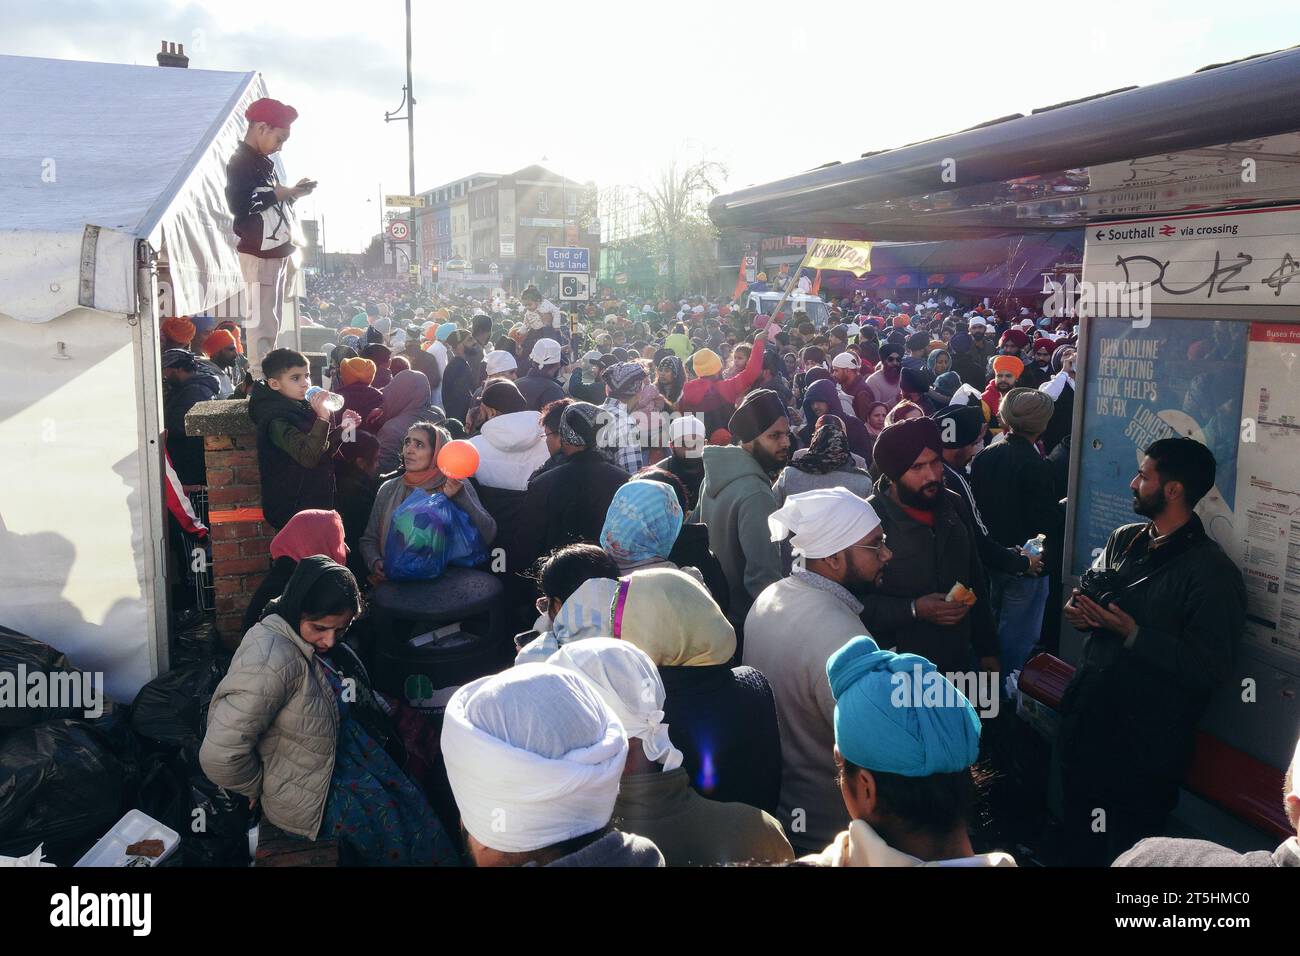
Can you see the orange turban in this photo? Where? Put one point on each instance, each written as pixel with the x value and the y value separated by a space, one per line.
pixel 179 329
pixel 1008 363
pixel 357 370
pixel 233 329
pixel 217 341
pixel 902 320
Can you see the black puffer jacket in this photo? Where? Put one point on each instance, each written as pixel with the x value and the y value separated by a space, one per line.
pixel 1129 715
pixel 287 486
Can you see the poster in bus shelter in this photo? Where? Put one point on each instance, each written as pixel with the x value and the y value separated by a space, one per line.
pixel 1266 535
pixel 1173 377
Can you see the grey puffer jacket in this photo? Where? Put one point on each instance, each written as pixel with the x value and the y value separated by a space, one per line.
pixel 273 728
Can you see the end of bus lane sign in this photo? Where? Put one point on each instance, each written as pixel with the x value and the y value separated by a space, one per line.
pixel 568 259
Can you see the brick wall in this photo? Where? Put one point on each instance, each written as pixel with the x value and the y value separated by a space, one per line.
pixel 241 550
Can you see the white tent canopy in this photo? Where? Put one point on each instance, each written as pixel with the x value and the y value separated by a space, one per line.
pixel 105 171
pixel 94 156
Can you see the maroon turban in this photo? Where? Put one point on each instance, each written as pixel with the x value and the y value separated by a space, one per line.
pixel 900 444
pixel 271 112
pixel 1014 337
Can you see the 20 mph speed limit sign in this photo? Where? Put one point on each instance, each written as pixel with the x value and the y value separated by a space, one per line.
pixel 399 230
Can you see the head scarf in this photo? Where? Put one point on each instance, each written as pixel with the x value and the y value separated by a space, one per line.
pixel 900 444
pixel 947 383
pixel 829 449
pixel 706 362
pixel 1026 410
pixel 642 523
pixel 932 359
pixel 311 532
pixel 1008 363
pixel 630 684
pixel 588 611
pixel 579 425
pixel 823 522
pixel 312 571
pixel 405 398
pixel 757 412
pixel 881 722
pixel 353 370
pixel 534 756
pixel 624 379
pixel 179 329
pixel 673 618
pixel 674 365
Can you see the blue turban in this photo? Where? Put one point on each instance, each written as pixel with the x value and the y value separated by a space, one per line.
pixel 445 330
pixel 882 721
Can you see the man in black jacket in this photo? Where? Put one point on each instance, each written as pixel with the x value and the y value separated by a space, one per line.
pixel 1013 487
pixel 962 429
pixel 928 529
pixel 263 224
pixel 567 503
pixel 1163 629
pixel 186 385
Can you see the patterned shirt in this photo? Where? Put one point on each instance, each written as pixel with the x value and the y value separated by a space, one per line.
pixel 618 435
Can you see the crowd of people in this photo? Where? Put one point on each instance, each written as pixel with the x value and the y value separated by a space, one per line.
pixel 768 582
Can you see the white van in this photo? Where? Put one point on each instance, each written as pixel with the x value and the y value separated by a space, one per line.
pixel 801 305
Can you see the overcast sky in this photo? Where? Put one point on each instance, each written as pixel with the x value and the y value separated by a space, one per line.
pixel 609 91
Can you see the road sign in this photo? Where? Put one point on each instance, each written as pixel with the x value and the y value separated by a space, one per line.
pixel 575 286
pixel 410 201
pixel 399 230
pixel 568 259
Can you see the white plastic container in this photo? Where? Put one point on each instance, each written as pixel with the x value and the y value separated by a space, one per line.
pixel 137 825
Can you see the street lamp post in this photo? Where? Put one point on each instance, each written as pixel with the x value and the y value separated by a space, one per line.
pixel 408 100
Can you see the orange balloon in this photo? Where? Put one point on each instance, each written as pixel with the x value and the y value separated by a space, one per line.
pixel 458 459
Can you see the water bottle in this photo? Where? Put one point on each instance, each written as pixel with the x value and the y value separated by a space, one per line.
pixel 333 401
pixel 1034 546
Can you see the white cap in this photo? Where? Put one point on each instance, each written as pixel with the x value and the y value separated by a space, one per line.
pixel 499 360
pixel 545 352
pixel 592 356
pixel 846 360
pixel 976 323
pixel 687 433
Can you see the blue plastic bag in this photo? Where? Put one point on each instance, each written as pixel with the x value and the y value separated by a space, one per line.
pixel 426 533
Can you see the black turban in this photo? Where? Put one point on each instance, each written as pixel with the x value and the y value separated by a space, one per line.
pixel 900 444
pixel 915 380
pixel 965 428
pixel 756 414
pixel 891 348
pixel 504 397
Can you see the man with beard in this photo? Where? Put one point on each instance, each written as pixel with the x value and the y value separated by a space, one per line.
pixel 1163 625
pixel 686 441
pixel 1006 370
pixel 1013 343
pixel 1040 369
pixel 840 549
pixel 846 369
pixel 1060 389
pixel 222 358
pixel 933 549
pixel 736 498
pixel 886 382
pixel 981 346
pixel 962 429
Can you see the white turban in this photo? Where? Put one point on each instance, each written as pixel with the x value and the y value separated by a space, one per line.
pixel 629 682
pixel 534 756
pixel 823 522
pixel 687 432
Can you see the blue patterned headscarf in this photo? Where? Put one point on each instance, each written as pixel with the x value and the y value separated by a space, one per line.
pixel 642 523
pixel 896 713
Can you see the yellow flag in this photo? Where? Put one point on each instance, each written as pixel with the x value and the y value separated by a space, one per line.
pixel 839 254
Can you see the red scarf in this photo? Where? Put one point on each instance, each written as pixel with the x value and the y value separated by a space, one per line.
pixel 992 397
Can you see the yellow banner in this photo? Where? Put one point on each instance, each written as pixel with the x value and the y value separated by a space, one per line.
pixel 839 254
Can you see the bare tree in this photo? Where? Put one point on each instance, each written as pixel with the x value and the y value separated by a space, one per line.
pixel 677 201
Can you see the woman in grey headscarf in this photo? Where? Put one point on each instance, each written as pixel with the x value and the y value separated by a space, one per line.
pixel 405 399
